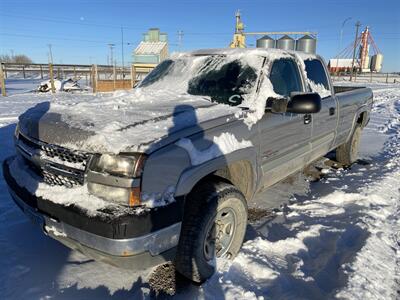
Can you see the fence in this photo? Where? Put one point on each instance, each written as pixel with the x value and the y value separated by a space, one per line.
pixel 100 78
pixel 369 77
pixel 2 81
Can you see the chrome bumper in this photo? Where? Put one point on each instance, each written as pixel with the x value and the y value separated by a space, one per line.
pixel 154 243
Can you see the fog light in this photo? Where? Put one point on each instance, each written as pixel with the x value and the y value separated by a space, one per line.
pixel 123 196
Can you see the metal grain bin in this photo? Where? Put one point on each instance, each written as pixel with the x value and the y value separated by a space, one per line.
pixel 306 44
pixel 285 43
pixel 266 42
pixel 376 62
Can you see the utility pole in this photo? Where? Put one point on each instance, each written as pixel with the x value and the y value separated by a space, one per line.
pixel 122 51
pixel 111 62
pixel 340 42
pixel 358 24
pixel 50 54
pixel 180 39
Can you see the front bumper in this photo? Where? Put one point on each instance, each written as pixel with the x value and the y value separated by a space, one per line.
pixel 106 238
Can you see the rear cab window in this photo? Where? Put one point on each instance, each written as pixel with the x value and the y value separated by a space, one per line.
pixel 316 77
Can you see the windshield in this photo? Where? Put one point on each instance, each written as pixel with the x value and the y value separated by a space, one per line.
pixel 224 79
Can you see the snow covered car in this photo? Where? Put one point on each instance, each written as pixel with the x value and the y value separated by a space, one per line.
pixel 165 172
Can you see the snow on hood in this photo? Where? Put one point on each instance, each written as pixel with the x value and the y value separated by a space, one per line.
pixel 120 121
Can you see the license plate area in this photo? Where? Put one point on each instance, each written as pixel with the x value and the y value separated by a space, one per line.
pixel 31 213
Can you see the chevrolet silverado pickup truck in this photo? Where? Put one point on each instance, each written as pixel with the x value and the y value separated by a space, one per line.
pixel 165 171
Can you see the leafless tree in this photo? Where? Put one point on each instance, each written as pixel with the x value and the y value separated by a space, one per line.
pixel 19 59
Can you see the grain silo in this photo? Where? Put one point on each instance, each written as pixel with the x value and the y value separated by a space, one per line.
pixel 266 42
pixel 376 62
pixel 307 44
pixel 285 43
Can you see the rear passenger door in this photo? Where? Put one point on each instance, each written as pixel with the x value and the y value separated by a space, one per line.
pixel 324 123
pixel 285 137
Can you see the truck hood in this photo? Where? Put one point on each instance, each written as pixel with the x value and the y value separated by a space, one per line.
pixel 123 121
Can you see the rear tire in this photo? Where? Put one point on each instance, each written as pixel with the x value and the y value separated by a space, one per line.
pixel 347 153
pixel 214 224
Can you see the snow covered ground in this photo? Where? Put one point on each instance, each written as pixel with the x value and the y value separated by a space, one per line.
pixel 337 237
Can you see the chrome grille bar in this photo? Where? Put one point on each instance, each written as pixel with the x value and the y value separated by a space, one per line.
pixel 55 164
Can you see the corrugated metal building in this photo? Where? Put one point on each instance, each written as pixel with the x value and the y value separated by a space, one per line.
pixel 150 52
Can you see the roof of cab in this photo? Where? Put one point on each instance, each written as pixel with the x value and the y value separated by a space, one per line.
pixel 265 51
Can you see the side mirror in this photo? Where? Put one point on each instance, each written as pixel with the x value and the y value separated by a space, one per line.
pixel 304 103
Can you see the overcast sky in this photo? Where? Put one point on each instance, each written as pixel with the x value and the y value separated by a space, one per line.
pixel 79 31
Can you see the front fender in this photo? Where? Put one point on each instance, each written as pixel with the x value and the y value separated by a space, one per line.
pixel 190 177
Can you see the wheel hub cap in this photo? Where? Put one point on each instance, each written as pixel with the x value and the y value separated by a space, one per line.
pixel 220 234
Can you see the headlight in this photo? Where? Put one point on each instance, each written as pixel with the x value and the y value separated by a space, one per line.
pixel 118 165
pixel 122 165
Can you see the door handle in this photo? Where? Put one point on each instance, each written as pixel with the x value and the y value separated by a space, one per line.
pixel 331 111
pixel 307 119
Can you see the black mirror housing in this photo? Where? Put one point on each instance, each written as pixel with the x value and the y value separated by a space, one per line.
pixel 304 103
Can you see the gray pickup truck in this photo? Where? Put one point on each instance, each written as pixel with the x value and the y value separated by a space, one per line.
pixel 171 177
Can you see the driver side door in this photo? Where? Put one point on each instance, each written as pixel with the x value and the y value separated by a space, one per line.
pixel 284 137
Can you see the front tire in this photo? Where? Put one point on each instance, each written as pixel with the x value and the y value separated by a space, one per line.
pixel 214 226
pixel 347 153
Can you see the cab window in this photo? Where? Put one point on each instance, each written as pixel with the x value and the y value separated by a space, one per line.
pixel 316 72
pixel 285 77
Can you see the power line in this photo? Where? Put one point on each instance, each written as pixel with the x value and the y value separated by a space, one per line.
pixel 6 46
pixel 68 21
pixel 53 38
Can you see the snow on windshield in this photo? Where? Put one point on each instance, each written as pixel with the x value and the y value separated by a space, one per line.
pixel 225 79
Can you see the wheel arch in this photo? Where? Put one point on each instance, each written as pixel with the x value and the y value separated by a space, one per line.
pixel 238 168
pixel 362 118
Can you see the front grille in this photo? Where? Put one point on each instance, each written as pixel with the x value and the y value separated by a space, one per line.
pixel 57 165
pixel 65 155
pixel 55 179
